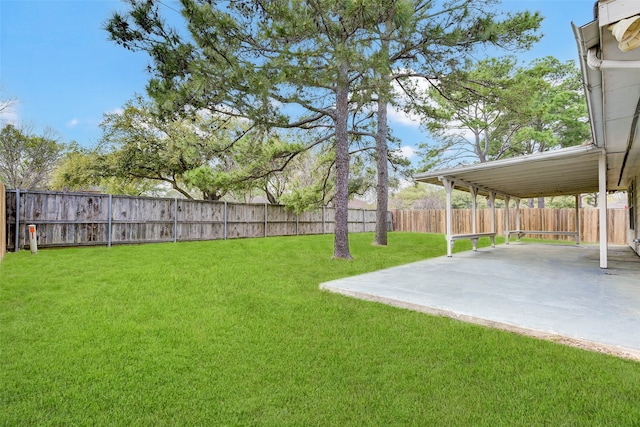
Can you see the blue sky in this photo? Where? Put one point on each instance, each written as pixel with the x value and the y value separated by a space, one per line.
pixel 56 59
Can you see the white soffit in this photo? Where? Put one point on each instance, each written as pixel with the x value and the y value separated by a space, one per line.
pixel 615 10
pixel 613 93
pixel 567 171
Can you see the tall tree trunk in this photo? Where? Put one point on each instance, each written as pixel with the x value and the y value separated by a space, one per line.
pixel 541 202
pixel 382 149
pixel 383 175
pixel 341 236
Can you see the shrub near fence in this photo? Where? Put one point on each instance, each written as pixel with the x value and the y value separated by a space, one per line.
pixel 79 219
pixel 434 221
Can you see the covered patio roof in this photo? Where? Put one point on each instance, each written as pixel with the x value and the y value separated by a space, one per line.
pixel 567 171
pixel 610 61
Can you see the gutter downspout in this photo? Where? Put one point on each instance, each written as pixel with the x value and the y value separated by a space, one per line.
pixel 592 82
pixel 597 64
pixel 603 236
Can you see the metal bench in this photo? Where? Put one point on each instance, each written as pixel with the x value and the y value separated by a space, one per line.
pixel 474 240
pixel 520 233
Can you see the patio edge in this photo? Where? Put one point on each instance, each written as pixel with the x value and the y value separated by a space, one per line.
pixel 611 350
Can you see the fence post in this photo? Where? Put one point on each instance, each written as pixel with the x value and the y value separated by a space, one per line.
pixel 492 202
pixel 507 199
pixel 577 211
pixel 17 236
pixel 110 213
pixel 324 230
pixel 364 221
pixel 297 224
pixel 224 216
pixel 266 209
pixel 175 219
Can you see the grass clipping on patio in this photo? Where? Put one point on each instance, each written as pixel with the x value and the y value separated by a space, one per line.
pixel 237 333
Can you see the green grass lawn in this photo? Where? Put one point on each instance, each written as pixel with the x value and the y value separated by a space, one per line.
pixel 238 333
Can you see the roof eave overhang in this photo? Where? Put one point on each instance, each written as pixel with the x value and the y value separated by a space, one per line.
pixel 588 37
pixel 567 171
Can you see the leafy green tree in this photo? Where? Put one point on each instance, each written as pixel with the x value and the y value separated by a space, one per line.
pixel 555 114
pixel 245 164
pixel 247 56
pixel 205 156
pixel 82 169
pixel 28 159
pixel 257 59
pixel 495 109
pixel 311 181
pixel 561 202
pixel 419 196
pixel 140 146
pixel 74 171
pixel 469 113
pixel 425 40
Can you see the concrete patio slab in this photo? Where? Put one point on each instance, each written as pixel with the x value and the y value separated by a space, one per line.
pixel 550 291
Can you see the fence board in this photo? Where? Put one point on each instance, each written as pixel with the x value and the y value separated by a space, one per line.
pixel 10 218
pixel 141 219
pixel 79 219
pixel 310 222
pixel 199 220
pixel 3 221
pixel 281 222
pixel 433 221
pixel 245 220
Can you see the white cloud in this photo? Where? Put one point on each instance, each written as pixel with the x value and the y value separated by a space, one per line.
pixel 407 152
pixel 73 123
pixel 9 112
pixel 116 111
pixel 416 84
pixel 400 117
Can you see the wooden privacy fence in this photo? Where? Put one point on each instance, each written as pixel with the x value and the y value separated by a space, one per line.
pixel 80 219
pixel 433 221
pixel 3 221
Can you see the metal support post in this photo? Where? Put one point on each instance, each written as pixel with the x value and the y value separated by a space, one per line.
pixel 175 220
pixel 602 203
pixel 16 238
pixel 110 224
pixel 474 205
pixel 518 218
pixel 577 219
pixel 492 202
pixel 507 199
pixel 224 224
pixel 448 186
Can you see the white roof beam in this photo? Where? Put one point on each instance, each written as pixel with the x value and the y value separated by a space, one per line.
pixel 465 185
